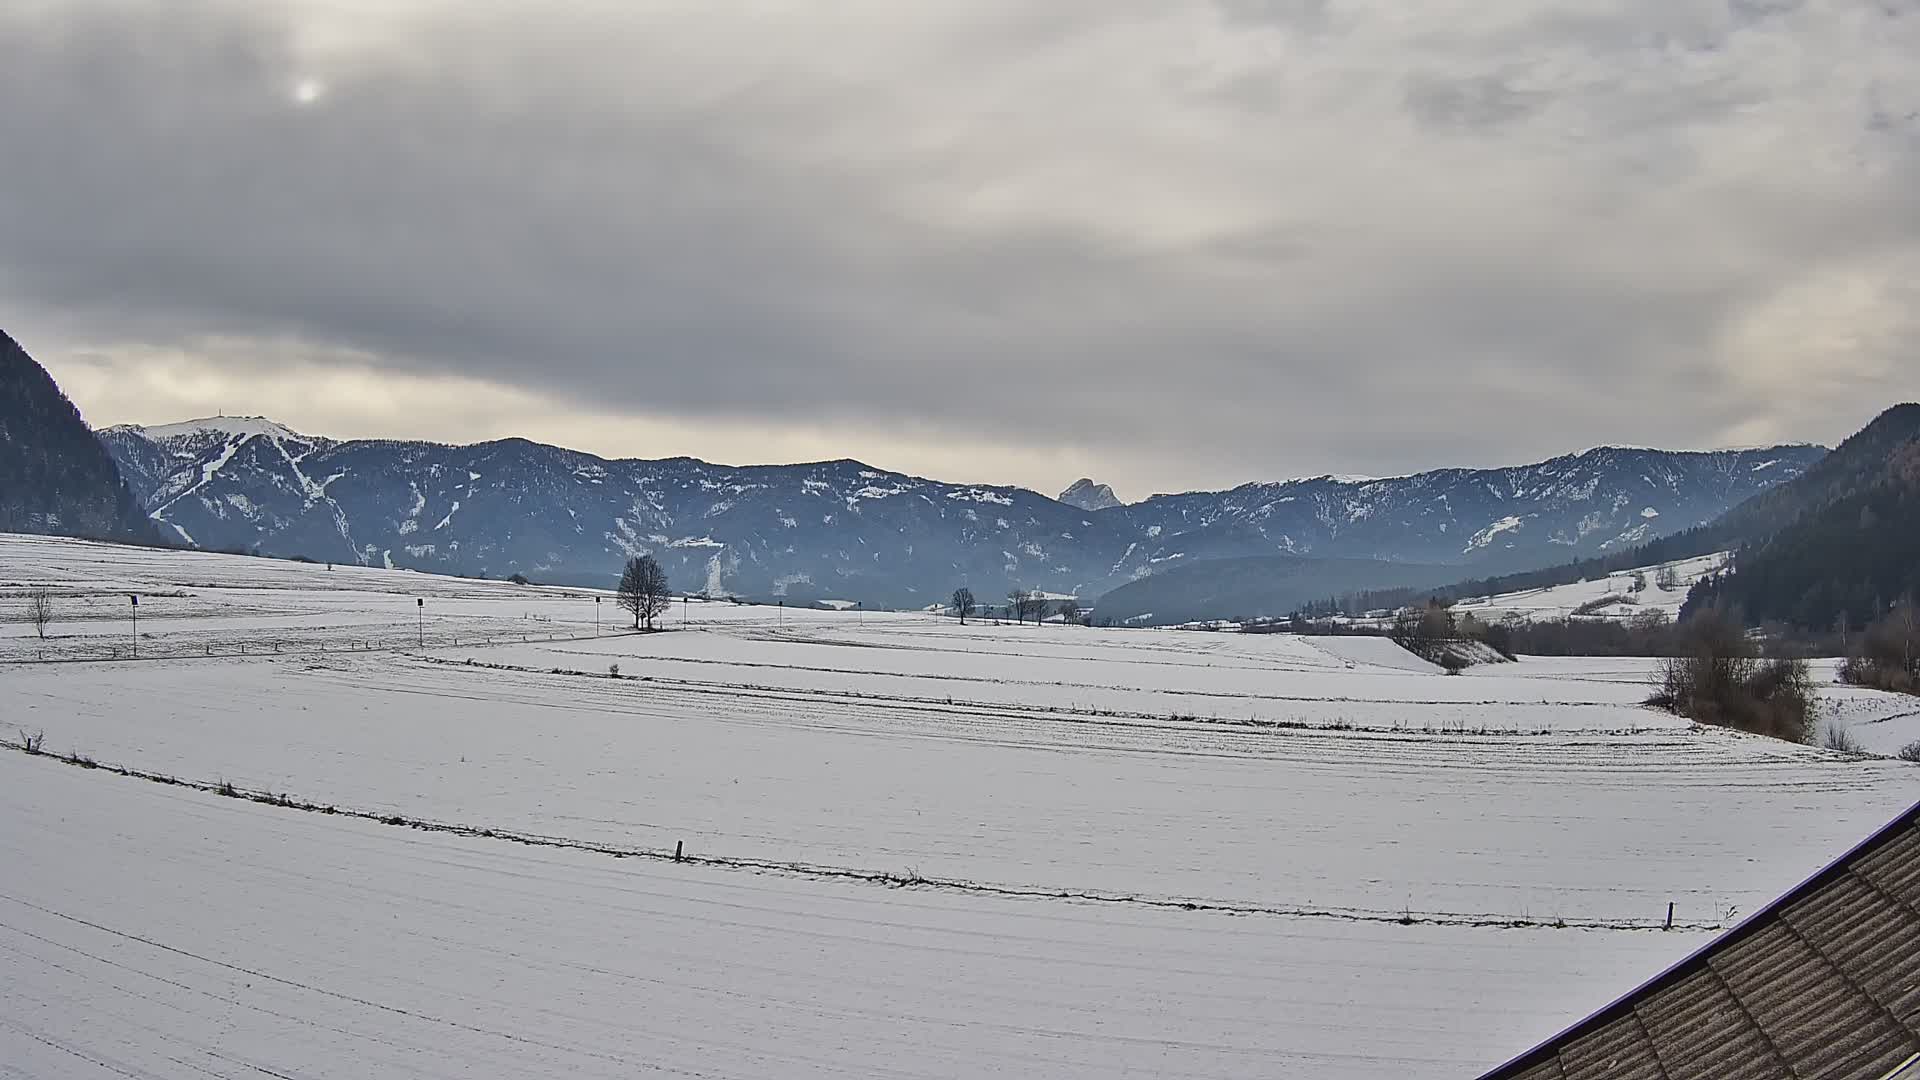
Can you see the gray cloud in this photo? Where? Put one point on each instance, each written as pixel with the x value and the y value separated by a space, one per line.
pixel 1161 244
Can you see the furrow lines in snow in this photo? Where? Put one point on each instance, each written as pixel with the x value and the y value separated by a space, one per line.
pixel 892 879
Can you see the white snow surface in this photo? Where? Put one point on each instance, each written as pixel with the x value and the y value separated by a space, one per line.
pixel 1560 601
pixel 268 941
pixel 241 427
pixel 1062 792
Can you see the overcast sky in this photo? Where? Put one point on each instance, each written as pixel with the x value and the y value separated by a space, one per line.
pixel 1166 244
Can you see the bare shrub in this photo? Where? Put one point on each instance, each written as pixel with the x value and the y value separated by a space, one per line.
pixel 31 742
pixel 1839 738
pixel 1718 679
pixel 1909 752
pixel 1887 654
pixel 1602 603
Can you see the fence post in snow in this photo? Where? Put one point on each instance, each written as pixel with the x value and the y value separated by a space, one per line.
pixel 679 850
pixel 1669 925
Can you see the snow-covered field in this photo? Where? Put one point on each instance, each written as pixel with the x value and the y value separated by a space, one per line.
pixel 1562 601
pixel 917 849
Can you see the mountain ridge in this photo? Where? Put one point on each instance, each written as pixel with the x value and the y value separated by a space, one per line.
pixel 842 528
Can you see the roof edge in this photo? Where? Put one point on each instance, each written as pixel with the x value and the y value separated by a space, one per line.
pixel 1751 924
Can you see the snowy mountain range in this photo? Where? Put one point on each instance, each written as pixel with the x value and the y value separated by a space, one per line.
pixel 840 529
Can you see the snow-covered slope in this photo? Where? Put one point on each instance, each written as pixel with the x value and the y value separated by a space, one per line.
pixel 841 529
pixel 1661 587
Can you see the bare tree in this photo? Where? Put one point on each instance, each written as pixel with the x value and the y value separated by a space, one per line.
pixel 40 611
pixel 643 590
pixel 963 603
pixel 1425 631
pixel 1017 604
pixel 1905 618
pixel 1030 604
pixel 1667 578
pixel 1070 610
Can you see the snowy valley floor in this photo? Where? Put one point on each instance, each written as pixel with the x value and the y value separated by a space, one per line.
pixel 918 849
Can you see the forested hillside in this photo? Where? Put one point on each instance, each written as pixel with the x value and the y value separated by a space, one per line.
pixel 1847 543
pixel 55 477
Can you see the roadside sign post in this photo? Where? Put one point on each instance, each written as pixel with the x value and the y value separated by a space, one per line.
pixel 420 619
pixel 596 616
pixel 136 624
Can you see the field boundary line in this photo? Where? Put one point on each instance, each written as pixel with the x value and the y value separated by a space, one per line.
pixel 1078 714
pixel 891 879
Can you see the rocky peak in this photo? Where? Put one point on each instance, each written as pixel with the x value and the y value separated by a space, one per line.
pixel 1087 495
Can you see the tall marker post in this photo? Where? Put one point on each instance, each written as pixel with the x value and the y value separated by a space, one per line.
pixel 596 616
pixel 420 619
pixel 135 606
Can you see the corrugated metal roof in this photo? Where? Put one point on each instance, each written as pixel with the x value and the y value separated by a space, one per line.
pixel 1823 984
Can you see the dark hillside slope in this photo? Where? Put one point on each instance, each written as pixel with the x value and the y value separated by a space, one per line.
pixel 55 477
pixel 1843 540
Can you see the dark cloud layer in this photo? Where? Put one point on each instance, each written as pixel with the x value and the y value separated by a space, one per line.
pixel 1172 245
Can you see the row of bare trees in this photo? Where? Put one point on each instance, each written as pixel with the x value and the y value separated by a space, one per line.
pixel 1022 604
